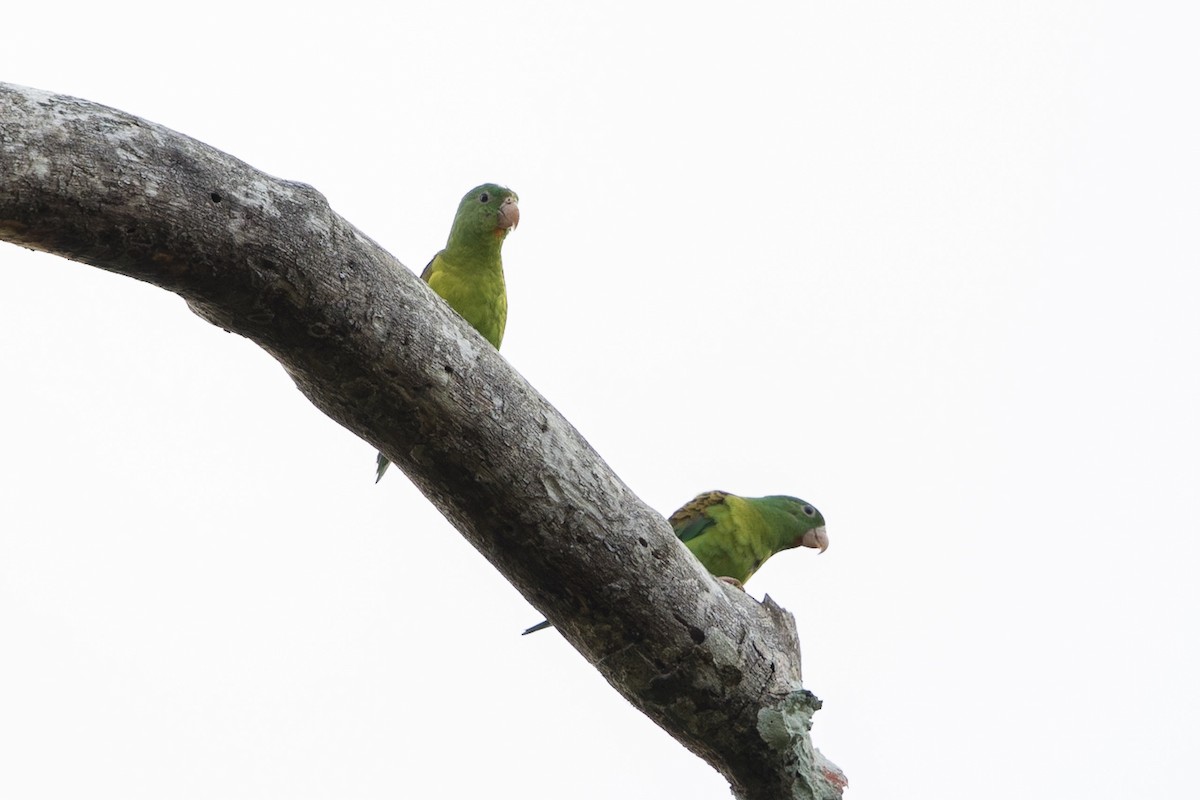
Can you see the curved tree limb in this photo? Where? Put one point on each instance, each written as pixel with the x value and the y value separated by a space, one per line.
pixel 369 344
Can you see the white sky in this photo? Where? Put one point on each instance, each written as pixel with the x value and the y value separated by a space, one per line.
pixel 930 266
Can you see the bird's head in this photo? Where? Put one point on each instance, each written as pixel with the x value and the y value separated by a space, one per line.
pixel 805 527
pixel 487 211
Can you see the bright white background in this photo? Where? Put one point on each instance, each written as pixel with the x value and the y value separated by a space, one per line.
pixel 931 266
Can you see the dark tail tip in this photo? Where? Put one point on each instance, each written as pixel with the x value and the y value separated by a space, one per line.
pixel 381 465
pixel 541 626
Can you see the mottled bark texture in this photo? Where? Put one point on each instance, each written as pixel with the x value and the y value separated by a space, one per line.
pixel 369 344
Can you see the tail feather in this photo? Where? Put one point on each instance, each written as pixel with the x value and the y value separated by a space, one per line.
pixel 381 465
pixel 541 626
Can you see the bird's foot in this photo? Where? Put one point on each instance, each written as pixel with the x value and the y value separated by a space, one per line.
pixel 734 582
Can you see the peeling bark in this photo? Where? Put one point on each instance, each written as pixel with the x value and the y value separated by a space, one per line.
pixel 369 344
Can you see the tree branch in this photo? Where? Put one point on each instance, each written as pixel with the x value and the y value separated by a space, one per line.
pixel 369 344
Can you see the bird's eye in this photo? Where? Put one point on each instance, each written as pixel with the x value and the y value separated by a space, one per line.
pixel 810 511
pixel 483 198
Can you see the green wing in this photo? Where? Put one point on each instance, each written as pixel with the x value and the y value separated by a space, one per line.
pixel 694 518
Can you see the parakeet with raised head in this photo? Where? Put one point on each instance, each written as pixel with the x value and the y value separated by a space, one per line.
pixel 733 536
pixel 468 273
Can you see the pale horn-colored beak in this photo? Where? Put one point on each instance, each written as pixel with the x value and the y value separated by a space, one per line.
pixel 510 214
pixel 817 537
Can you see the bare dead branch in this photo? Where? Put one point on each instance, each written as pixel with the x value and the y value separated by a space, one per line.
pixel 372 347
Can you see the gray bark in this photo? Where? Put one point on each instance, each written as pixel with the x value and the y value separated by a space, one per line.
pixel 369 344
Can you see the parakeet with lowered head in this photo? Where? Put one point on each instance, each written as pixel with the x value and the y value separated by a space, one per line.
pixel 468 273
pixel 733 536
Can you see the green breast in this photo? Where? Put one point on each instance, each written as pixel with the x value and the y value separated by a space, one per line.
pixel 475 290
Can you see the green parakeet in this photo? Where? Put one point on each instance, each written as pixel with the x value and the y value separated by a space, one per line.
pixel 468 273
pixel 733 536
